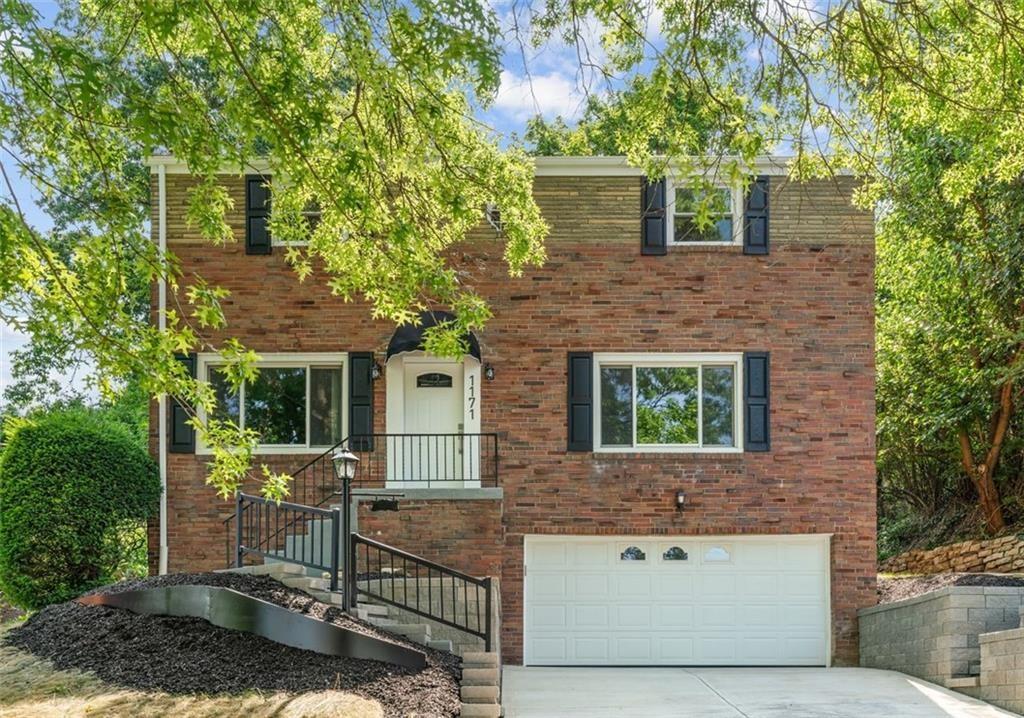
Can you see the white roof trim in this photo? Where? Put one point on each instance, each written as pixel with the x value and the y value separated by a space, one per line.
pixel 596 166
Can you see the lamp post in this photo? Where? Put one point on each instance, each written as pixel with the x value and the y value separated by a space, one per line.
pixel 345 466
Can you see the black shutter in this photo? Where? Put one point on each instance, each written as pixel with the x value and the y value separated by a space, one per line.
pixel 755 401
pixel 653 238
pixel 257 212
pixel 755 217
pixel 360 401
pixel 182 435
pixel 581 401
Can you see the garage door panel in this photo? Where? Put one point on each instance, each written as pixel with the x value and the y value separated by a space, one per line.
pixel 759 615
pixel 673 585
pixel 589 649
pixel 672 616
pixel 717 585
pixel 803 585
pixel 591 586
pixel 716 615
pixel 627 584
pixel 756 557
pixel 548 587
pixel 761 585
pixel 711 601
pixel 548 615
pixel 590 617
pixel 633 616
pixel 590 555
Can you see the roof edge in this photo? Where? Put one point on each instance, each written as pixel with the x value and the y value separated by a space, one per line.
pixel 559 166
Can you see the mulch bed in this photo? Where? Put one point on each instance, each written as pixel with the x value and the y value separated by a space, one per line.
pixel 897 589
pixel 189 655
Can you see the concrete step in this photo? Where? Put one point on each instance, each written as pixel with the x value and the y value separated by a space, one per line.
pixel 440 645
pixel 480 710
pixel 479 694
pixel 418 632
pixel 963 682
pixel 372 609
pixel 479 659
pixel 305 583
pixel 335 599
pixel 479 676
pixel 386 623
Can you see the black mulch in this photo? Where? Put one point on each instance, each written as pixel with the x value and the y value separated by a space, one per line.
pixel 897 589
pixel 189 655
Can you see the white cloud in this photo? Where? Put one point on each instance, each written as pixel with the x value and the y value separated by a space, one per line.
pixel 548 94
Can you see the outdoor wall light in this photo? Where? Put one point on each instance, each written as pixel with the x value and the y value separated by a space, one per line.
pixel 680 500
pixel 375 371
pixel 489 372
pixel 345 464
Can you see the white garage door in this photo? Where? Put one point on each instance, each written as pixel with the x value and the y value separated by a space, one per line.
pixel 725 600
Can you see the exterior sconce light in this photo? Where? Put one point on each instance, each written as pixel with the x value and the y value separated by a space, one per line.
pixel 345 464
pixel 680 500
pixel 375 371
pixel 489 372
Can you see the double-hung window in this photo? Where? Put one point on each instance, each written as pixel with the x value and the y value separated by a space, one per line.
pixel 719 206
pixel 668 402
pixel 295 402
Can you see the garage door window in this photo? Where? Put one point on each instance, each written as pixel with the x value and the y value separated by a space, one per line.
pixel 665 404
pixel 675 553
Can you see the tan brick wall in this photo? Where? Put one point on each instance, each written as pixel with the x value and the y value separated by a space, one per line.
pixel 809 302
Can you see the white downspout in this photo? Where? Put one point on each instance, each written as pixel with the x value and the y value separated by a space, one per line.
pixel 161 319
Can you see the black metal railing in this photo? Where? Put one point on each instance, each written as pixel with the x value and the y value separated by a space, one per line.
pixel 413 460
pixel 294 533
pixel 403 460
pixel 316 537
pixel 422 587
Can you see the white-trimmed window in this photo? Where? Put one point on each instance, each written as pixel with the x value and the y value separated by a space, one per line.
pixel 296 404
pixel 726 209
pixel 668 402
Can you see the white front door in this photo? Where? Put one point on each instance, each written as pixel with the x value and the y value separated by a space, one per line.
pixel 685 600
pixel 432 448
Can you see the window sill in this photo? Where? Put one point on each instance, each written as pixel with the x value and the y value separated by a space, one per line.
pixel 276 451
pixel 665 453
pixel 705 246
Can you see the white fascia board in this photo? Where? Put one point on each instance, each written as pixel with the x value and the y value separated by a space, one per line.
pixel 595 166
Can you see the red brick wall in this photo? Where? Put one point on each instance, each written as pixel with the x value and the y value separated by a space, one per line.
pixel 466 535
pixel 809 302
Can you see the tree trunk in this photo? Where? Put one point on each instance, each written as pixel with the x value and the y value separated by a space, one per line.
pixel 982 473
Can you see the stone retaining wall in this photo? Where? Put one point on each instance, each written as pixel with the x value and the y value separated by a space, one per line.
pixel 935 636
pixel 1000 555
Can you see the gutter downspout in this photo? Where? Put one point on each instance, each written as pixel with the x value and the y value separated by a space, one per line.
pixel 162 326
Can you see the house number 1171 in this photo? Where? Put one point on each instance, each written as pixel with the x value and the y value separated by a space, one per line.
pixel 471 397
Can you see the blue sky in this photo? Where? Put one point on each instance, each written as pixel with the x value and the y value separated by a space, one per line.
pixel 545 80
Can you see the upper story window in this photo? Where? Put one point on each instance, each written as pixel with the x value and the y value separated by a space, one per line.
pixel 723 204
pixel 295 403
pixel 668 402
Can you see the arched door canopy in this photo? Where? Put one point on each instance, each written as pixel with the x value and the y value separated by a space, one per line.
pixel 410 337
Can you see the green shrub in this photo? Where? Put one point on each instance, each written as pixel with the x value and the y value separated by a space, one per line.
pixel 75 490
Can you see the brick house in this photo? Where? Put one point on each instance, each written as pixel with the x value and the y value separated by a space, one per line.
pixel 662 445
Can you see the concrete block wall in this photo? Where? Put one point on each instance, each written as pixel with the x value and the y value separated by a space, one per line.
pixel 936 636
pixel 1002 669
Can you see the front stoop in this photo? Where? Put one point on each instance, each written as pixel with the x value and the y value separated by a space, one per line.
pixel 481 685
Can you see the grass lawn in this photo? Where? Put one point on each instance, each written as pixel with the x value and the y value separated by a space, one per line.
pixel 33 688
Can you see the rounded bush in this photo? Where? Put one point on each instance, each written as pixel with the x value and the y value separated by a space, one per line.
pixel 75 489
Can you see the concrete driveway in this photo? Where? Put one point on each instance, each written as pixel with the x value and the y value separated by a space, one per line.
pixel 730 693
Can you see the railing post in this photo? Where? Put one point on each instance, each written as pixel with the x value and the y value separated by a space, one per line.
pixel 238 529
pixel 335 548
pixel 487 614
pixel 347 597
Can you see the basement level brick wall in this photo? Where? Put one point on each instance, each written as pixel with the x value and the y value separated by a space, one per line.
pixel 809 302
